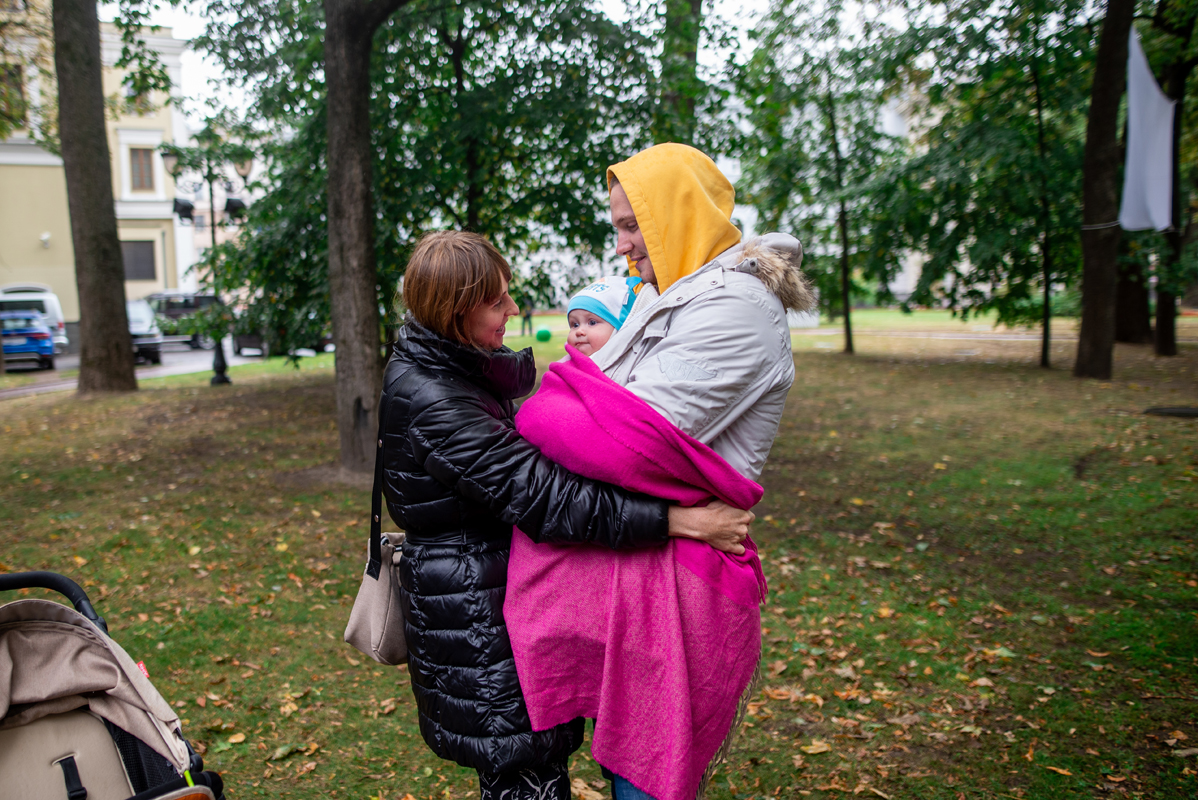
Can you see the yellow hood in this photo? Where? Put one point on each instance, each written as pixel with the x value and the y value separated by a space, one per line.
pixel 682 203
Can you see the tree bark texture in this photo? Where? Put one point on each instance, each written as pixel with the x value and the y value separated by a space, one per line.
pixel 1133 318
pixel 675 117
pixel 353 276
pixel 1100 196
pixel 106 349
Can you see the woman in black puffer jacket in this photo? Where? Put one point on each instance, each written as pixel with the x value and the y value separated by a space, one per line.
pixel 457 478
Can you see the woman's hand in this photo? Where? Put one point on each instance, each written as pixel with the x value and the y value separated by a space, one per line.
pixel 719 524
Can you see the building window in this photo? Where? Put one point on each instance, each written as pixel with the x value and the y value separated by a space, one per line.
pixel 12 94
pixel 139 261
pixel 141 168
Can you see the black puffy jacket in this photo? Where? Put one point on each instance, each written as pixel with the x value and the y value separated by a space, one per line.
pixel 457 478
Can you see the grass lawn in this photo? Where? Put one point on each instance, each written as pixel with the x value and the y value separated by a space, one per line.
pixel 983 577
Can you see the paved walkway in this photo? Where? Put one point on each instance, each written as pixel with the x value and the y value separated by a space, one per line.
pixel 176 360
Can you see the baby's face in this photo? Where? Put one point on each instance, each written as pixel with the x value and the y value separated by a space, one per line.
pixel 588 332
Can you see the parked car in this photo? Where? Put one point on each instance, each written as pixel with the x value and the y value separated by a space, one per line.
pixel 249 333
pixel 177 305
pixel 27 337
pixel 144 330
pixel 37 297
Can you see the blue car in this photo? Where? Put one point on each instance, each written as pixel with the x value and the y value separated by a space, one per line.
pixel 27 337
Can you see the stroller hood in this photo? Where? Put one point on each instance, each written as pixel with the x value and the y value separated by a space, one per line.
pixel 53 659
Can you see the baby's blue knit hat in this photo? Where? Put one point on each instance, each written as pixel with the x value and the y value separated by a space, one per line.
pixel 610 299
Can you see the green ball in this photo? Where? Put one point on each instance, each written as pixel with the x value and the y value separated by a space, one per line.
pixel 543 335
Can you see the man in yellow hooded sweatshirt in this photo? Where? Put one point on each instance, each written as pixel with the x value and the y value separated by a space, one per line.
pixel 707 343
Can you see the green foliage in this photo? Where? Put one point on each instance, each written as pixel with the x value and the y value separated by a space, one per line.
pixel 813 91
pixel 144 72
pixel 26 55
pixel 994 194
pixel 495 118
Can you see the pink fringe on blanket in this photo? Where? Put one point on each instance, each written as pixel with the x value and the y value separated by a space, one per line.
pixel 657 645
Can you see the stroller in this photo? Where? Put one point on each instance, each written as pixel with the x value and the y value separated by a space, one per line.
pixel 79 720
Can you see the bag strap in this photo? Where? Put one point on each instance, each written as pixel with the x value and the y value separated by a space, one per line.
pixel 374 565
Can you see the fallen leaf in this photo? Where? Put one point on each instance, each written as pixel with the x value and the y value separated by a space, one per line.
pixel 1180 736
pixel 885 612
pixel 579 788
pixel 1057 770
pixel 814 698
pixel 284 750
pixel 281 547
pixel 857 501
pixel 905 720
pixel 237 738
pixel 1000 652
pixel 1189 751
pixel 777 668
pixel 201 701
pixel 1030 755
pixel 816 747
pixel 798 761
pixel 1097 655
pixel 983 681
pixel 194 550
pixel 939 465
pixel 1115 778
pixel 311 765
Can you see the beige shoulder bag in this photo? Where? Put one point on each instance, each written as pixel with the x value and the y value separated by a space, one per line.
pixel 376 621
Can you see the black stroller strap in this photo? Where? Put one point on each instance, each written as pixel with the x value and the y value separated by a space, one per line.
pixel 70 774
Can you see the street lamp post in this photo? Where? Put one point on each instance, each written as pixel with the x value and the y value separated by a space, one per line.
pixel 207 161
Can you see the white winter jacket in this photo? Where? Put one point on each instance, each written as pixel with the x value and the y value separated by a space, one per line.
pixel 713 354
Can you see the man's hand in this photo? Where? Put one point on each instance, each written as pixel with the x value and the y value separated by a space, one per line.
pixel 719 524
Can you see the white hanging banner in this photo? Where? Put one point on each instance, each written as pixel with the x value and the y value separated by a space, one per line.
pixel 1148 173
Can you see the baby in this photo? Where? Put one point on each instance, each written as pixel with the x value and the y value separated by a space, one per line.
pixel 598 311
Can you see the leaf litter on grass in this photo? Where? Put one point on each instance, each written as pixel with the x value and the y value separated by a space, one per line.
pixel 913 634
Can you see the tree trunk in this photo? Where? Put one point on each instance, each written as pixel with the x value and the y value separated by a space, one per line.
pixel 843 224
pixel 1165 339
pixel 349 31
pixel 1166 323
pixel 106 349
pixel 675 116
pixel 1100 196
pixel 845 279
pixel 1133 318
pixel 1045 214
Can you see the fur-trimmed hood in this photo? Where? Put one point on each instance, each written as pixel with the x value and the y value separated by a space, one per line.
pixel 776 259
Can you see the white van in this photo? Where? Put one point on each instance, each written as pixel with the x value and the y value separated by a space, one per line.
pixel 39 297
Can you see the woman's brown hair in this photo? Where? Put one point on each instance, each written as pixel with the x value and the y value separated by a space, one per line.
pixel 449 273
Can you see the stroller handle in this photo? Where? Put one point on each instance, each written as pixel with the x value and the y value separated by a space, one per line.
pixel 58 583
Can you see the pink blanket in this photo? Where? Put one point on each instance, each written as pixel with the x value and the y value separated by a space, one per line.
pixel 657 645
